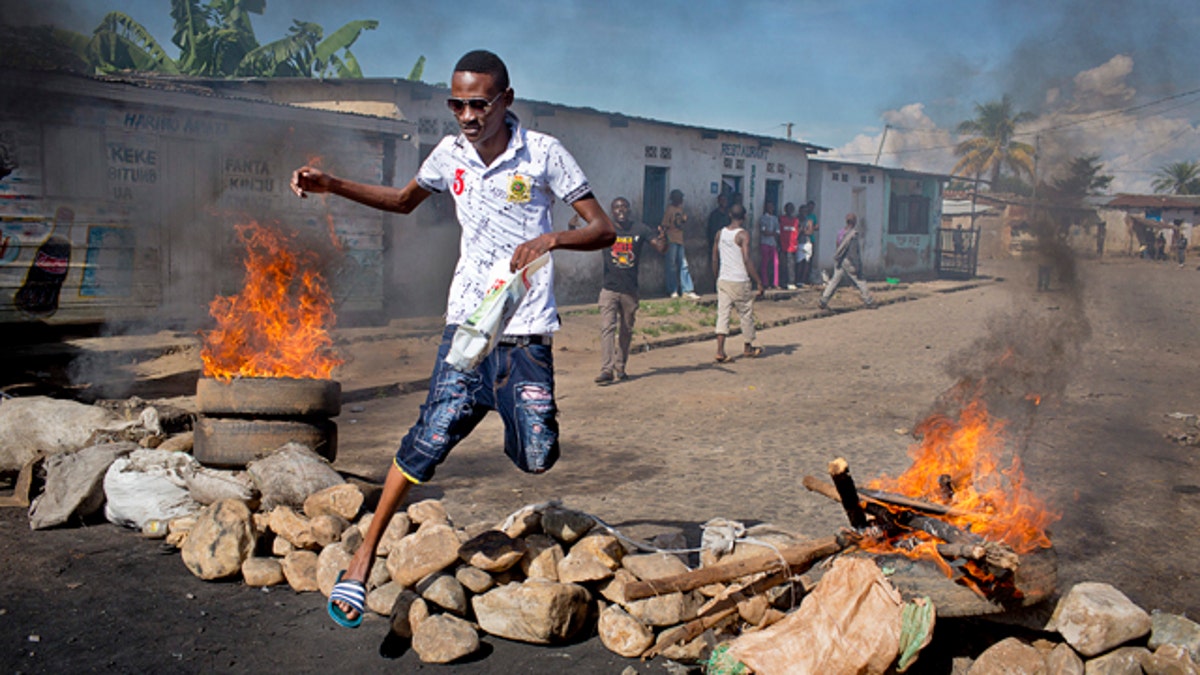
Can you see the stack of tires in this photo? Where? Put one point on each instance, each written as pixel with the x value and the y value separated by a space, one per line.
pixel 244 419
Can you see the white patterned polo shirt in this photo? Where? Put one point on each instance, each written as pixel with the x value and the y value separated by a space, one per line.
pixel 500 207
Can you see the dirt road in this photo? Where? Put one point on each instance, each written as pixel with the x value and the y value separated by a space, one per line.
pixel 685 440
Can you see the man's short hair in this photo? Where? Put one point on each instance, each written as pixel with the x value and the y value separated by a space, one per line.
pixel 737 212
pixel 486 63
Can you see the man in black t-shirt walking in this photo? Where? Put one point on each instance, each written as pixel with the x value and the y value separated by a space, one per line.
pixel 619 292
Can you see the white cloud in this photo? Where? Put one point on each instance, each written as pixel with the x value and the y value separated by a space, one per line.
pixel 1090 118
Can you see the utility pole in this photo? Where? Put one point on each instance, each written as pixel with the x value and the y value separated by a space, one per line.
pixel 789 129
pixel 1037 150
pixel 881 141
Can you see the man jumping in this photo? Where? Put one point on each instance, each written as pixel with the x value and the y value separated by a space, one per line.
pixel 504 179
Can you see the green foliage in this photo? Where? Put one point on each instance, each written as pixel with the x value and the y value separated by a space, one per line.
pixel 1083 178
pixel 418 70
pixel 215 39
pixel 992 148
pixel 1180 178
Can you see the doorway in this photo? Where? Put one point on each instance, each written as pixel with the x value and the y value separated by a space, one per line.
pixel 774 187
pixel 654 195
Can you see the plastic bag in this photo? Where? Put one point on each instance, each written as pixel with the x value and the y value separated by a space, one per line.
pixel 849 624
pixel 477 336
pixel 149 485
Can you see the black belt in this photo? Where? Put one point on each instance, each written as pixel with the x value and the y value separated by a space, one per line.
pixel 525 340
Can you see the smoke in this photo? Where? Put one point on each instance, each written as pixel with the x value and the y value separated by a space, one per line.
pixel 1098 111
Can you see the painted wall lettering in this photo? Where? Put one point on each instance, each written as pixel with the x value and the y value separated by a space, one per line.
pixel 739 150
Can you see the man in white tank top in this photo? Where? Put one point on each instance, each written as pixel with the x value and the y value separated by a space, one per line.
pixel 731 256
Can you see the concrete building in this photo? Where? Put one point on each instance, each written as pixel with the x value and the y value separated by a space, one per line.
pixel 899 213
pixel 120 197
pixel 637 158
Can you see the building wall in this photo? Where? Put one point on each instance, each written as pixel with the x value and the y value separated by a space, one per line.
pixel 613 150
pixel 142 189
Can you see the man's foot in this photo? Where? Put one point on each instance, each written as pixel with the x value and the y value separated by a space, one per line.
pixel 791 287
pixel 822 304
pixel 619 376
pixel 752 352
pixel 675 294
pixel 871 304
pixel 347 601
pixel 603 378
pixel 691 295
pixel 721 358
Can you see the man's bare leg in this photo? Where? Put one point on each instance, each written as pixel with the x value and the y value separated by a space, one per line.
pixel 721 347
pixel 395 487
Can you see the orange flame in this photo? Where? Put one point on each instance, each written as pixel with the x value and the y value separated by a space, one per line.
pixel 277 326
pixel 993 497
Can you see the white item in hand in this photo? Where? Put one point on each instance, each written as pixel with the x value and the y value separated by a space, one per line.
pixel 476 337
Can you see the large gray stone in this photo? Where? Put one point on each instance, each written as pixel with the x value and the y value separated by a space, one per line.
pixel 1172 629
pixel 623 634
pixel 536 611
pixel 220 541
pixel 430 549
pixel 444 638
pixel 1093 618
pixel 660 610
pixel 566 525
pixel 1009 657
pixel 444 591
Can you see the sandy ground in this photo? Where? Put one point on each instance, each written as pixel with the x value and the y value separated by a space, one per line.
pixel 685 440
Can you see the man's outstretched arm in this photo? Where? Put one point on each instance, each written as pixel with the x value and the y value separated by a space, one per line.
pixel 385 198
pixel 597 234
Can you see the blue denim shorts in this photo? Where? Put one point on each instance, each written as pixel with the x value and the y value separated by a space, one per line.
pixel 516 381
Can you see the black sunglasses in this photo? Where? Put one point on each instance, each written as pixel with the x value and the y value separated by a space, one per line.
pixel 479 105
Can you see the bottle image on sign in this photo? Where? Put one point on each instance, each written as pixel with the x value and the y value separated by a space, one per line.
pixel 38 296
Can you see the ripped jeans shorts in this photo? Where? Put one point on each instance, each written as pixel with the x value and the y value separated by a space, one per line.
pixel 515 380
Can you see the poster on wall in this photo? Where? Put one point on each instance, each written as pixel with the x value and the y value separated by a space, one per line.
pixel 108 263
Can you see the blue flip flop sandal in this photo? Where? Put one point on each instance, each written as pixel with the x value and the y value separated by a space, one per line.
pixel 353 593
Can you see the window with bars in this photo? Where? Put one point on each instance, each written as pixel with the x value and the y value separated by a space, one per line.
pixel 651 152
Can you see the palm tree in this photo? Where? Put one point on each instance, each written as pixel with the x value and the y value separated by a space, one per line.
pixel 1180 178
pixel 993 148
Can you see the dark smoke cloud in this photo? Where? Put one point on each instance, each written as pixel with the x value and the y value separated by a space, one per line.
pixel 1083 34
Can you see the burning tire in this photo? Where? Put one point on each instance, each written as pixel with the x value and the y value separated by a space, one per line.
pixel 224 442
pixel 269 396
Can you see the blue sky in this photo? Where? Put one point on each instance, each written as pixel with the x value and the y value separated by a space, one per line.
pixel 837 70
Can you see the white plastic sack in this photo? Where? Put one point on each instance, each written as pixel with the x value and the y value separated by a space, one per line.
pixel 477 336
pixel 74 484
pixel 149 485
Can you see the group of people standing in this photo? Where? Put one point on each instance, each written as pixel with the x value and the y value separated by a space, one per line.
pixel 785 245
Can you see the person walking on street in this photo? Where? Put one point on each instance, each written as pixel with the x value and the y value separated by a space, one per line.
pixel 679 277
pixel 768 245
pixel 847 261
pixel 731 255
pixel 504 179
pixel 1179 243
pixel 808 235
pixel 619 289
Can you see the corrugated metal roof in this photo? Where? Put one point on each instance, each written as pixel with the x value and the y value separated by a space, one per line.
pixel 1155 201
